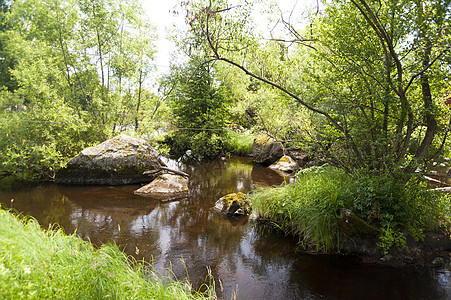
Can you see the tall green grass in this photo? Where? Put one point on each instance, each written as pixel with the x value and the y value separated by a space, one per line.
pixel 38 264
pixel 309 208
pixel 238 143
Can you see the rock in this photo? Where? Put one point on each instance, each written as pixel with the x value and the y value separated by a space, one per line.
pixel 352 225
pixel 165 187
pixel 285 165
pixel 437 241
pixel 386 258
pixel 234 205
pixel 438 262
pixel 117 161
pixel 266 150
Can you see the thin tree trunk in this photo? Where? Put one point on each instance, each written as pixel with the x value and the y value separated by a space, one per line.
pixel 139 98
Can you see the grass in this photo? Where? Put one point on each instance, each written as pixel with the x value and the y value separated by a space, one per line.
pixel 47 264
pixel 238 143
pixel 309 208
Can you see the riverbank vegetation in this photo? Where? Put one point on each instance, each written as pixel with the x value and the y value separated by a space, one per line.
pixel 47 264
pixel 310 208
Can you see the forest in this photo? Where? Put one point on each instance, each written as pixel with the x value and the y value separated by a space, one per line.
pixel 362 87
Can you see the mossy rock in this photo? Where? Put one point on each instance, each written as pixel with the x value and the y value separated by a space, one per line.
pixel 352 225
pixel 266 150
pixel 235 204
pixel 285 165
pixel 120 160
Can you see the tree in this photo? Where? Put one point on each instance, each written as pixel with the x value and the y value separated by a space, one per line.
pixel 369 70
pixel 67 96
pixel 6 63
pixel 199 106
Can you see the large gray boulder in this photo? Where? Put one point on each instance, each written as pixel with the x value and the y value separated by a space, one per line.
pixel 165 187
pixel 266 150
pixel 117 161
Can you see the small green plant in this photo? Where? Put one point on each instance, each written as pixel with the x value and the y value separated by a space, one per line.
pixel 307 209
pixel 391 237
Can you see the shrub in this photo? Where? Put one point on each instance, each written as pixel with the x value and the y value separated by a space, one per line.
pixel 206 145
pixel 308 208
pixel 238 143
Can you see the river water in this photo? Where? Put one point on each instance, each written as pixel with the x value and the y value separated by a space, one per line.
pixel 189 236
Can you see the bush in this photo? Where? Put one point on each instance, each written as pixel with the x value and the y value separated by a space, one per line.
pixel 203 145
pixel 238 143
pixel 206 145
pixel 307 209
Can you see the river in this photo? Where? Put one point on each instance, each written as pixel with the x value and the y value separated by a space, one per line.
pixel 189 236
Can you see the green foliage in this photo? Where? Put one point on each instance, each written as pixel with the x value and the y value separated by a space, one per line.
pixel 206 145
pixel 394 200
pixel 389 238
pixel 199 107
pixel 373 95
pixel 71 64
pixel 37 264
pixel 238 143
pixel 37 141
pixel 309 208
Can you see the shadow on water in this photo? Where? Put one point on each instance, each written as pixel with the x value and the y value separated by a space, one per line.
pixel 260 266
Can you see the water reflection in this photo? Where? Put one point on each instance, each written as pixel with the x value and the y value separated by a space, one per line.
pixel 263 266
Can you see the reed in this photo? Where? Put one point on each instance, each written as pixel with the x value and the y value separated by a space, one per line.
pixel 48 264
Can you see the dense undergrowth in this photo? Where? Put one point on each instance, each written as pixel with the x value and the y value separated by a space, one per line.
pixel 208 145
pixel 309 208
pixel 38 264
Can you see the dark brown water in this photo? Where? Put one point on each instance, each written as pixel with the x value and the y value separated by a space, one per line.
pixel 242 259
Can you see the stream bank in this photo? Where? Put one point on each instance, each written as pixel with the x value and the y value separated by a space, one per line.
pixel 262 265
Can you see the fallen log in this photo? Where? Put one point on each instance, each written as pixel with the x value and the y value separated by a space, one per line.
pixel 153 172
pixel 437 181
pixel 443 189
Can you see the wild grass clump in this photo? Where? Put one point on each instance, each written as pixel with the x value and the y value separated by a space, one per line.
pixel 238 143
pixel 38 264
pixel 310 207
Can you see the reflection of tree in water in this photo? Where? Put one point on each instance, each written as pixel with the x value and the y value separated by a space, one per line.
pixel 45 203
pixel 309 276
pixel 197 233
pixel 335 275
pixel 114 214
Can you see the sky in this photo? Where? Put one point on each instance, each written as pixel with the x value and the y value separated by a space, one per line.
pixel 159 12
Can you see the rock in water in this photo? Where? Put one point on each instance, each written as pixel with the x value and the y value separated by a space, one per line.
pixel 120 160
pixel 165 187
pixel 285 165
pixel 266 150
pixel 234 205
